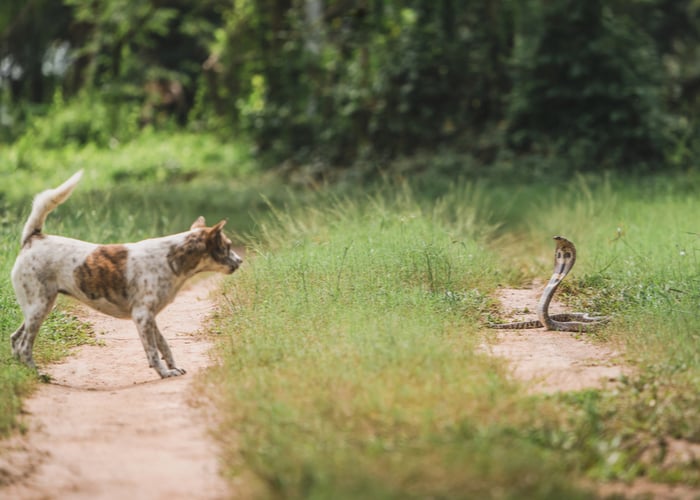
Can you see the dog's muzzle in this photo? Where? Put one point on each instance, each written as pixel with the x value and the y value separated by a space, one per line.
pixel 235 263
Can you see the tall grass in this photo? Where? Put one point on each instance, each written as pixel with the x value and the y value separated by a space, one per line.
pixel 638 259
pixel 350 367
pixel 150 159
pixel 352 371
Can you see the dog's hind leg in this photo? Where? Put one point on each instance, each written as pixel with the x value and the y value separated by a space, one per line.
pixel 152 340
pixel 23 338
pixel 14 339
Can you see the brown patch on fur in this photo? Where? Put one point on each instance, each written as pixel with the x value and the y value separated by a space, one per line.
pixel 218 245
pixel 103 274
pixel 184 258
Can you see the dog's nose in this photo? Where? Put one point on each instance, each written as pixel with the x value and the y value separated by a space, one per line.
pixel 237 261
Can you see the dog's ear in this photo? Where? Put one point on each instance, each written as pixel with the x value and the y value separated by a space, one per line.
pixel 215 234
pixel 200 222
pixel 218 227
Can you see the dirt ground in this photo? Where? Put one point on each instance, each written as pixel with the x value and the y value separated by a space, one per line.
pixel 550 361
pixel 108 427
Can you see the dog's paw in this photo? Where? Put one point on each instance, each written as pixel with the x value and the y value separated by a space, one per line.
pixel 175 372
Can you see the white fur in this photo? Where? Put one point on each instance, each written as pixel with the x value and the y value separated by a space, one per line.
pixel 45 202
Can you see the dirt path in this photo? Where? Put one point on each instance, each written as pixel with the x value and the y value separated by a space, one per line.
pixel 108 427
pixel 550 361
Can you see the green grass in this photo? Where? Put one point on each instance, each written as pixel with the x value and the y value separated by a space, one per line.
pixel 350 369
pixel 637 259
pixel 350 366
pixel 151 158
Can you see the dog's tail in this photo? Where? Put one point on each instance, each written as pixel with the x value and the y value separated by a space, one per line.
pixel 44 203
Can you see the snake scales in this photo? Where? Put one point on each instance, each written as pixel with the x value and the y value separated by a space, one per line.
pixel 564 259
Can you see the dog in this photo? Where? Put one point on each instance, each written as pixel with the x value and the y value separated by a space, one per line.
pixel 131 280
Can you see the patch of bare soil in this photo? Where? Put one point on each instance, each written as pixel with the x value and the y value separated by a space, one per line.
pixel 550 361
pixel 108 427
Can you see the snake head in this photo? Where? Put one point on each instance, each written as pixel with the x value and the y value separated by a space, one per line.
pixel 564 257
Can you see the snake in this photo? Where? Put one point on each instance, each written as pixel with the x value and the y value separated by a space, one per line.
pixel 564 260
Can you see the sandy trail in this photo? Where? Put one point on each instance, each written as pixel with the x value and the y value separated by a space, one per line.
pixel 108 427
pixel 550 361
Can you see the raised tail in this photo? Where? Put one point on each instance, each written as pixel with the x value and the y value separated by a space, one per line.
pixel 44 203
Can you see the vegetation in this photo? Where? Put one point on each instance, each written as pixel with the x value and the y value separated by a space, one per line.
pixel 351 368
pixel 322 86
pixel 350 337
pixel 350 364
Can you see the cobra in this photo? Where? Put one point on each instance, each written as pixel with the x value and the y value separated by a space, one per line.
pixel 564 260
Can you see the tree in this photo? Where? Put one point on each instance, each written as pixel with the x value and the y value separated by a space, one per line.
pixel 586 84
pixel 28 28
pixel 375 78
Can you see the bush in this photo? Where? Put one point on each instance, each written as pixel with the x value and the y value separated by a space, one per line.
pixel 586 87
pixel 84 120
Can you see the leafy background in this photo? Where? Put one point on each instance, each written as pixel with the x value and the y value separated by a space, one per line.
pixel 343 87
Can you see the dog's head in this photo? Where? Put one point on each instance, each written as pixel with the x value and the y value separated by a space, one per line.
pixel 204 249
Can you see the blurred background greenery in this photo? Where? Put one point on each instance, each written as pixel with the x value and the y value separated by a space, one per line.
pixel 365 87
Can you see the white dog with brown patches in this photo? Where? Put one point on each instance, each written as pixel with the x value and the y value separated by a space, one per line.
pixel 131 280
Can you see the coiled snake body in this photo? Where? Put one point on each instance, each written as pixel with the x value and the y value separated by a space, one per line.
pixel 564 259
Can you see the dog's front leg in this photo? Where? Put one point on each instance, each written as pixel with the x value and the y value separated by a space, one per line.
pixel 165 349
pixel 151 339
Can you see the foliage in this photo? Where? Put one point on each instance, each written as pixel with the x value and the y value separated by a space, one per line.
pixel 379 80
pixel 145 56
pixel 322 85
pixel 387 79
pixel 29 32
pixel 586 82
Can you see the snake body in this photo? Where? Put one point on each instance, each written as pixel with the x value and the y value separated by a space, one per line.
pixel 564 260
